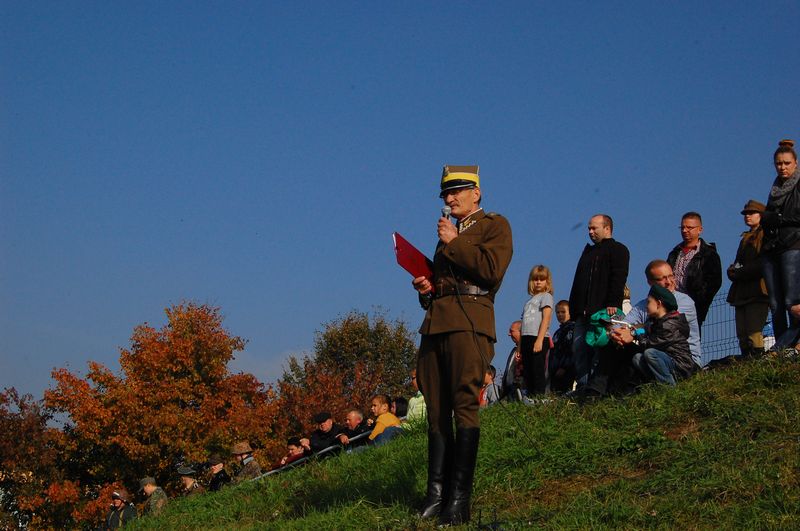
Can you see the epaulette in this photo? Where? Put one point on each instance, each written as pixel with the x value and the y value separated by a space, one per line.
pixel 492 214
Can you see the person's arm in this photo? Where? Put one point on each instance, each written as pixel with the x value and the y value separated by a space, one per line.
pixel 544 326
pixel 486 260
pixel 713 273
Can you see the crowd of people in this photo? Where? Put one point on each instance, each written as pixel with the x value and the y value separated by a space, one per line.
pixel 599 348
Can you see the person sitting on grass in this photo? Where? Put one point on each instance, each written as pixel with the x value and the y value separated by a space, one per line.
pixel 294 451
pixel 219 477
pixel 190 485
pixel 662 346
pixel 400 407
pixel 250 468
pixel 416 404
pixel 489 393
pixel 384 420
pixel 156 497
pixel 326 435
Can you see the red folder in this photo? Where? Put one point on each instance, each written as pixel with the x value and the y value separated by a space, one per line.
pixel 411 259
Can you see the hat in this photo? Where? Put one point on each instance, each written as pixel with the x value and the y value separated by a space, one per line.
pixel 146 481
pixel 665 296
pixel 241 447
pixel 121 494
pixel 186 471
pixel 455 177
pixel 321 417
pixel 753 206
pixel 215 459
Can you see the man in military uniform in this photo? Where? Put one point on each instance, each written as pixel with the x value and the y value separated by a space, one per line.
pixel 190 485
pixel 156 497
pixel 250 467
pixel 458 336
pixel 121 512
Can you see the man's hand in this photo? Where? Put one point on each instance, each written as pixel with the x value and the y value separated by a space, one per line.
pixel 447 231
pixel 422 285
pixel 622 336
pixel 611 310
pixel 344 439
pixel 305 443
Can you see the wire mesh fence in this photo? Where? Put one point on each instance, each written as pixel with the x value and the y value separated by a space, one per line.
pixel 719 330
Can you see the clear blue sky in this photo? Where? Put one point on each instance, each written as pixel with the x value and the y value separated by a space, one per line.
pixel 257 156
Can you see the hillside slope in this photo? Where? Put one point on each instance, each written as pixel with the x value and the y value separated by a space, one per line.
pixel 719 451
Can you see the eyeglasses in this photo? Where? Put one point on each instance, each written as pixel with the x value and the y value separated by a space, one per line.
pixel 687 227
pixel 665 277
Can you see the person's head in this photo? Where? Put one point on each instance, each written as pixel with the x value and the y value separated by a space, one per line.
pixel 691 228
pixel 241 450
pixel 216 463
pixel 540 280
pixel 491 372
pixel 461 190
pixel 660 301
pixel 293 446
pixel 400 406
pixel 187 476
pixel 413 376
pixel 785 158
pixel 147 485
pixel 324 421
pixel 354 418
pixel 119 498
pixel 752 213
pixel 380 405
pixel 562 311
pixel 601 227
pixel 660 272
pixel 514 331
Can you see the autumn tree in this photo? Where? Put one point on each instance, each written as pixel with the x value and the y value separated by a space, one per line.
pixel 355 357
pixel 175 400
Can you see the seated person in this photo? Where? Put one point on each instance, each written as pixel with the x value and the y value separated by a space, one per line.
pixel 400 407
pixel 326 435
pixel 250 468
pixel 489 393
pixel 416 404
pixel 294 451
pixel 662 346
pixel 512 383
pixel 355 425
pixel 121 511
pixel 190 484
pixel 219 477
pixel 156 497
pixel 559 365
pixel 384 418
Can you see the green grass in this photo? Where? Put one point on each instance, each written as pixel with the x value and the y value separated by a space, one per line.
pixel 719 451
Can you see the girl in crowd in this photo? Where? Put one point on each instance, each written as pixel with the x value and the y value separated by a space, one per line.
pixel 535 342
pixel 748 294
pixel 781 247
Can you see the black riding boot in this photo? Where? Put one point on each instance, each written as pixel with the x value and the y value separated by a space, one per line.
pixel 457 509
pixel 440 456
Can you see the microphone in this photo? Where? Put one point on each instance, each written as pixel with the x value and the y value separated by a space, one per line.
pixel 446 211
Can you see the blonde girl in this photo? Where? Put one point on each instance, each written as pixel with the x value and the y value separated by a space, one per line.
pixel 535 342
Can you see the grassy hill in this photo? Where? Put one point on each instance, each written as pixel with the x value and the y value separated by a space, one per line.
pixel 720 451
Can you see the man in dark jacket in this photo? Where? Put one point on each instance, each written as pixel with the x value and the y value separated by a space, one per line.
pixel 327 433
pixel 598 284
pixel 696 264
pixel 219 477
pixel 663 344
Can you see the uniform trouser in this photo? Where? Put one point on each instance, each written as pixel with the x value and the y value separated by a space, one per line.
pixel 750 321
pixel 450 371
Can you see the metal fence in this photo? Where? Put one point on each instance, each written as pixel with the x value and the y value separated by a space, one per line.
pixel 719 331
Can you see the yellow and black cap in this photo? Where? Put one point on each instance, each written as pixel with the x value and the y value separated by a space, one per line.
pixel 455 177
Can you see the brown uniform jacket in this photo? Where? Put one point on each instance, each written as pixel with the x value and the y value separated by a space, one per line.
pixel 479 256
pixel 250 470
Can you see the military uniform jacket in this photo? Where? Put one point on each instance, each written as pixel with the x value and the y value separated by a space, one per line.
pixel 157 501
pixel 250 470
pixel 478 257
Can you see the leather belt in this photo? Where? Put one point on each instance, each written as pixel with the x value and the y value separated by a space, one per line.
pixel 468 289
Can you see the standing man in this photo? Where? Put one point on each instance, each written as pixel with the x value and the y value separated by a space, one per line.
pixel 458 336
pixel 599 284
pixel 697 267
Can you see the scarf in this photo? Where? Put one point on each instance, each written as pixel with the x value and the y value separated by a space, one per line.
pixel 781 189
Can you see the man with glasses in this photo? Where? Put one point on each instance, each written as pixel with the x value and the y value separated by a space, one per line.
pixel 458 336
pixel 697 267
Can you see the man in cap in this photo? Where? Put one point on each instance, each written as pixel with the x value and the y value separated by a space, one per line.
pixel 190 484
pixel 250 467
pixel 327 433
pixel 458 336
pixel 219 477
pixel 122 510
pixel 156 497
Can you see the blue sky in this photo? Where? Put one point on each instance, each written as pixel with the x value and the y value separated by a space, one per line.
pixel 258 156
